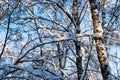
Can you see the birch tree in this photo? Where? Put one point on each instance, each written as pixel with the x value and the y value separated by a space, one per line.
pixel 101 51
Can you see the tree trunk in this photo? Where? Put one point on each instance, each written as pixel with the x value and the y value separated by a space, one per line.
pixel 101 51
pixel 78 47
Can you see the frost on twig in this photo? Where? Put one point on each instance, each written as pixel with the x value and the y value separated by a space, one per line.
pixel 40 72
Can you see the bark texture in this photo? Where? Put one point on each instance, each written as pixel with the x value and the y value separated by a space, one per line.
pixel 78 47
pixel 101 51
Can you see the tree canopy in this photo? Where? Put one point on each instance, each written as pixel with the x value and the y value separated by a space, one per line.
pixel 59 39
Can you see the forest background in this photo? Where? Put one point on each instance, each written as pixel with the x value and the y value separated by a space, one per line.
pixel 59 39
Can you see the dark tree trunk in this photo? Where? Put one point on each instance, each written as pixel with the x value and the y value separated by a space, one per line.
pixel 78 47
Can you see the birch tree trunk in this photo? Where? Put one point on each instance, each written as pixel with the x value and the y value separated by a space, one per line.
pixel 78 47
pixel 101 51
